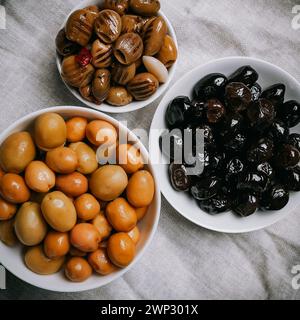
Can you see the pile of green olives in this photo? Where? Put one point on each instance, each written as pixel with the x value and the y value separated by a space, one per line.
pixel 250 159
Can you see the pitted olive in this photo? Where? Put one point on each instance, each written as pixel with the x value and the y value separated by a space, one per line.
pixel 168 52
pixel 132 23
pixel 80 26
pixel 122 74
pixel 101 84
pixel 108 26
pixel 64 46
pixel 128 48
pixel 118 96
pixel 143 85
pixel 102 54
pixel 145 7
pixel 120 6
pixel 74 74
pixel 155 32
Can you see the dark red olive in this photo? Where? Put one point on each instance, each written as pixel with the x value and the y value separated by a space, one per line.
pixel 275 94
pixel 276 198
pixel 179 178
pixel 279 131
pixel 238 96
pixel 287 156
pixel 175 111
pixel 64 46
pixel 256 91
pixel 205 188
pixel 254 182
pixel 246 205
pixel 261 151
pixel 294 140
pixel 246 74
pixel 218 204
pixel 211 86
pixel 215 111
pixel 289 113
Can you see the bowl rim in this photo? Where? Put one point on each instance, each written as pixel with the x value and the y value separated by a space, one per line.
pixel 153 141
pixel 80 287
pixel 136 105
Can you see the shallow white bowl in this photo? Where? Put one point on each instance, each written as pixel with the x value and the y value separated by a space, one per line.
pixel 135 105
pixel 12 258
pixel 226 222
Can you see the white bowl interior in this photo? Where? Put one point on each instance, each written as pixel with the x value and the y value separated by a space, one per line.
pixel 226 222
pixel 12 258
pixel 135 105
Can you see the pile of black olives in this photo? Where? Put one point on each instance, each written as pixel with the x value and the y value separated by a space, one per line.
pixel 251 161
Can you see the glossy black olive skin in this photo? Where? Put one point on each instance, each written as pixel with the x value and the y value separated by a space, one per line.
pixel 275 198
pixel 233 170
pixel 238 96
pixel 266 169
pixel 287 157
pixel 178 176
pixel 232 124
pixel 196 113
pixel 275 94
pixel 256 91
pixel 254 182
pixel 279 131
pixel 211 86
pixel 234 143
pixel 175 147
pixel 206 188
pixel 64 46
pixel 261 151
pixel 175 111
pixel 215 111
pixel 289 113
pixel 246 204
pixel 290 179
pixel 294 140
pixel 246 74
pixel 218 204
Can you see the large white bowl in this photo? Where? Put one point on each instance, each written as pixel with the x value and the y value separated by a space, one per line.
pixel 135 105
pixel 226 222
pixel 12 258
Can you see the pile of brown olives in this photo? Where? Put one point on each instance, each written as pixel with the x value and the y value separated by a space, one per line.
pixel 66 209
pixel 251 161
pixel 116 53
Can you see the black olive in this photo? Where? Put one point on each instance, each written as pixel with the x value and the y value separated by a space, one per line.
pixel 238 96
pixel 290 179
pixel 175 111
pixel 254 182
pixel 287 157
pixel 294 140
pixel 205 188
pixel 232 124
pixel 195 114
pixel 256 91
pixel 275 198
pixel 215 111
pixel 179 178
pixel 275 94
pixel 266 169
pixel 233 170
pixel 246 74
pixel 208 135
pixel 234 143
pixel 289 112
pixel 279 131
pixel 246 205
pixel 261 151
pixel 171 145
pixel 211 86
pixel 64 46
pixel 218 204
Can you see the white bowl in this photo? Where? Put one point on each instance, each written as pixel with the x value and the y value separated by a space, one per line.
pixel 12 258
pixel 226 222
pixel 135 105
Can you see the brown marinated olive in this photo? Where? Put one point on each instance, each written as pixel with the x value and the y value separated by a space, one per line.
pixel 87 207
pixel 134 234
pixel 168 52
pixel 73 184
pixel 64 46
pixel 74 74
pixel 122 74
pixel 50 131
pixel 76 129
pixel 108 26
pixel 146 8
pixel 87 162
pixel 16 152
pixel 129 158
pixel 62 160
pixel 121 215
pixel 85 237
pixel 101 84
pixel 215 111
pixel 143 86
pixel 121 249
pixel 118 96
pixel 102 54
pixel 7 233
pixel 56 244
pixel 141 212
pixel 128 48
pixel 154 35
pixel 99 132
pixel 79 26
pixel 120 6
pixel 94 9
pixel 102 225
pixel 100 262
pixel 7 209
pixel 87 93
pixel 78 270
pixel 14 189
pixel 132 23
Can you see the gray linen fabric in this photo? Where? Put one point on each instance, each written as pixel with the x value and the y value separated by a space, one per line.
pixel 184 261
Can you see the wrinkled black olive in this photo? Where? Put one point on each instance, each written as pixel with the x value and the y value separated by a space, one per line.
pixel 294 140
pixel 218 204
pixel 289 112
pixel 208 135
pixel 64 46
pixel 211 86
pixel 261 151
pixel 279 131
pixel 275 94
pixel 275 198
pixel 234 143
pixel 256 91
pixel 254 182
pixel 215 111
pixel 233 169
pixel 232 124
pixel 179 178
pixel 290 179
pixel 266 169
pixel 175 111
pixel 238 96
pixel 195 114
pixel 206 188
pixel 246 74
pixel 287 157
pixel 174 140
pixel 246 205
